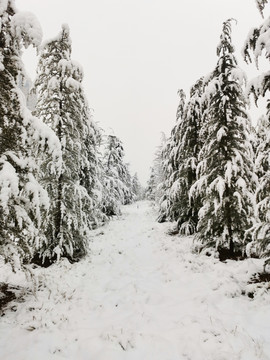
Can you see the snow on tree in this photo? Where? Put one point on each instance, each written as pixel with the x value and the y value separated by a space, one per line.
pixel 261 5
pixel 258 42
pixel 151 186
pixel 136 188
pixel 261 139
pixel 182 208
pixel 116 177
pixel 23 201
pixel 62 105
pixel 129 196
pixel 25 84
pixel 90 165
pixel 225 172
pixel 170 163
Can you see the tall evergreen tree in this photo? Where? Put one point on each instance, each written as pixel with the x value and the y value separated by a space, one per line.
pixel 184 209
pixel 170 163
pixel 258 42
pixel 62 105
pixel 262 138
pixel 116 184
pixel 22 137
pixel 261 5
pixel 225 171
pixel 158 171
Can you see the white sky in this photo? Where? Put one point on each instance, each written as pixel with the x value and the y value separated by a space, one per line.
pixel 136 54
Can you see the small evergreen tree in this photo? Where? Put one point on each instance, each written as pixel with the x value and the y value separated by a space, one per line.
pixel 225 171
pixel 262 130
pixel 129 196
pixel 160 176
pixel 151 186
pixel 116 185
pixel 136 188
pixel 170 163
pixel 261 5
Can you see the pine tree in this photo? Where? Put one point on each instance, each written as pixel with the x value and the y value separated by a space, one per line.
pixel 225 171
pixel 136 188
pixel 184 209
pixel 116 183
pixel 150 190
pixel 261 5
pixel 261 139
pixel 129 196
pixel 258 42
pixel 23 202
pixel 90 165
pixel 62 105
pixel 174 158
pixel 170 163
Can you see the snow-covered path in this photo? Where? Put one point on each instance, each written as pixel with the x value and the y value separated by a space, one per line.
pixel 140 295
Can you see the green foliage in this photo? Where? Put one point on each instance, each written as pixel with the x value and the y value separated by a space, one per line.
pixel 71 186
pixel 23 202
pixel 116 178
pixel 225 173
pixel 183 208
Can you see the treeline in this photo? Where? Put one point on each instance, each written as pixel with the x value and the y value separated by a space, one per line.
pixel 212 175
pixel 60 176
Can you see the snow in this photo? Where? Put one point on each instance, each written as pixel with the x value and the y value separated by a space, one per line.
pixel 65 30
pixel 140 294
pixel 222 132
pixel 9 184
pixel 239 75
pixel 25 26
pixel 3 6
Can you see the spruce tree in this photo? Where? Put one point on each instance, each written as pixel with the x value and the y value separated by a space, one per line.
pixel 62 105
pixel 23 202
pixel 258 42
pixel 116 177
pixel 151 186
pixel 261 139
pixel 129 195
pixel 170 163
pixel 184 209
pixel 136 188
pixel 225 171
pixel 261 5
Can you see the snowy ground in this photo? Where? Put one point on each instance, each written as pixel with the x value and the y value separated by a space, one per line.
pixel 140 295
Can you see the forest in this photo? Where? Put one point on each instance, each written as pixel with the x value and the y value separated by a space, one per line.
pixel 83 245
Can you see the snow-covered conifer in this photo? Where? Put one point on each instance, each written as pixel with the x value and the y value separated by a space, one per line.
pixel 225 171
pixel 159 188
pixel 151 186
pixel 62 105
pixel 261 5
pixel 136 188
pixel 258 42
pixel 22 137
pixel 116 184
pixel 129 196
pixel 182 208
pixel 261 139
pixel 170 163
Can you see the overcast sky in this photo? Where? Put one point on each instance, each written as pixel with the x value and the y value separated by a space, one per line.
pixel 136 54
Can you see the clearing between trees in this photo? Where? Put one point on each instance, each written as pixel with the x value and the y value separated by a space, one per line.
pixel 140 294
